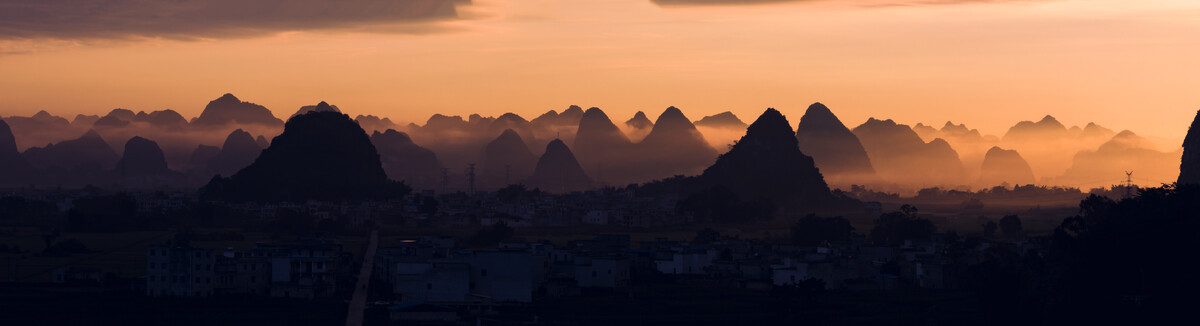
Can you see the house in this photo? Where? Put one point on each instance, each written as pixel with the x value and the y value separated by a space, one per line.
pixel 179 271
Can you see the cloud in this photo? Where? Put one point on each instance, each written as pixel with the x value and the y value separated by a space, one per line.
pixel 205 19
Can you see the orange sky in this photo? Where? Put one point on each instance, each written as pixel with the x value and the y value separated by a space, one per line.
pixel 1123 64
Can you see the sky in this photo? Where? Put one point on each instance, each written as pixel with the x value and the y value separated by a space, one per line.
pixel 988 64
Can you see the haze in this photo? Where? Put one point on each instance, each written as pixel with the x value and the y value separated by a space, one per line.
pixel 988 64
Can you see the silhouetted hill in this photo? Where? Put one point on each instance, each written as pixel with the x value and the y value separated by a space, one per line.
pixel 321 156
pixel 168 119
pixel 405 161
pixel 725 120
pixel 898 154
pixel 439 122
pixel 142 158
pixel 569 117
pixel 1126 151
pixel 115 119
pixel 836 150
pixel 673 147
pixel 14 169
pixel 1189 167
pixel 506 160
pixel 1093 130
pixel 321 107
pixel 558 170
pixel 202 158
pixel 89 152
pixel 1048 127
pixel 372 123
pixel 84 121
pixel 1004 166
pixel 767 163
pixel 229 109
pixel 262 141
pixel 599 144
pixel 511 121
pixel 238 151
pixel 639 121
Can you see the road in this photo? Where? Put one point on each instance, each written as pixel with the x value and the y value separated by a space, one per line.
pixel 358 303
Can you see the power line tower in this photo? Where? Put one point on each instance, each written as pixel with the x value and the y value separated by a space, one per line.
pixel 1128 183
pixel 471 178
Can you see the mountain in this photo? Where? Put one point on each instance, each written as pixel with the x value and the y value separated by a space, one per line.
pixel 899 155
pixel 599 144
pixel 1093 130
pixel 1124 152
pixel 726 120
pixel 142 158
pixel 1004 166
pixel 639 121
pixel 1189 167
pixel 115 119
pixel 372 123
pixel 320 107
pixel 673 147
pixel 84 121
pixel 404 161
pixel 319 156
pixel 1048 127
pixel 558 171
pixel 88 152
pixel 506 160
pixel 14 169
pixel 569 117
pixel 229 109
pixel 767 163
pixel 238 151
pixel 202 158
pixel 262 141
pixel 511 121
pixel 834 148
pixel 164 119
pixel 439 122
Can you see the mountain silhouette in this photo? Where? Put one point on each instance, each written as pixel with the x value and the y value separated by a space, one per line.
pixel 1048 127
pixel 834 148
pixel 505 160
pixel 320 107
pixel 726 120
pixel 88 152
pixel 1004 166
pixel 639 121
pixel 599 144
pixel 319 156
pixel 262 141
pixel 767 163
pixel 673 147
pixel 510 121
pixel 164 119
pixel 115 119
pixel 1189 167
pixel 142 158
pixel 898 154
pixel 1093 130
pixel 238 151
pixel 14 169
pixel 84 121
pixel 558 171
pixel 439 122
pixel 371 123
pixel 1124 152
pixel 405 161
pixel 229 109
pixel 569 117
pixel 202 158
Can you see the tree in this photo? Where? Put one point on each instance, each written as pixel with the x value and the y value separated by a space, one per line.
pixel 895 227
pixel 1010 225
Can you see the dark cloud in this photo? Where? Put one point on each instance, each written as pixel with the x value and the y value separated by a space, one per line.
pixel 192 19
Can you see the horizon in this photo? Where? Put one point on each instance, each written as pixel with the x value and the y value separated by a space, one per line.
pixel 1079 61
